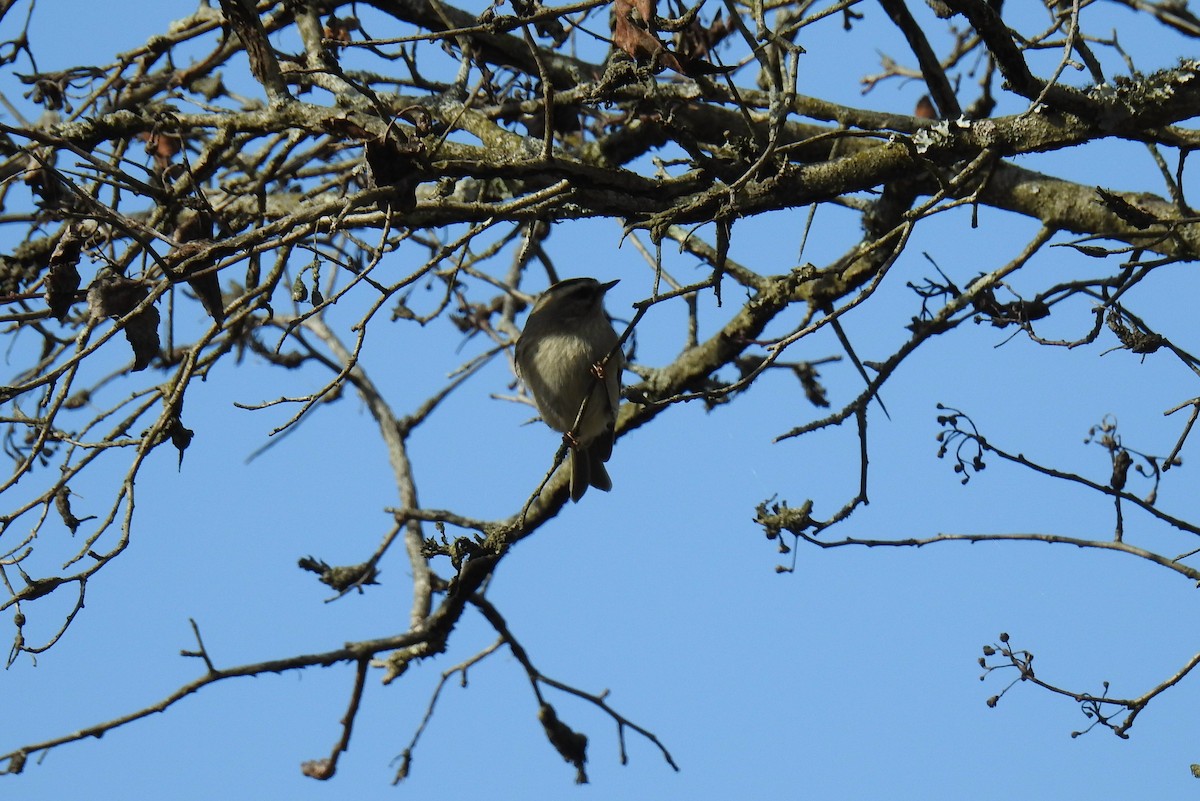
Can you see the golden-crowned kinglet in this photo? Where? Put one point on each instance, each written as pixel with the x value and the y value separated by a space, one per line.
pixel 560 356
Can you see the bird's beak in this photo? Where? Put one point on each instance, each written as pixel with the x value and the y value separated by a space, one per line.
pixel 610 284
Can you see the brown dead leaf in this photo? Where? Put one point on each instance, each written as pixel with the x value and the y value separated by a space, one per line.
pixel 695 42
pixel 393 158
pixel 640 43
pixel 162 147
pixel 339 29
pixel 62 281
pixel 195 231
pixel 635 33
pixel 112 295
pixel 181 437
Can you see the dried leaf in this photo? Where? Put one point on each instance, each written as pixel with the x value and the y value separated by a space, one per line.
pixel 637 37
pixel 695 42
pixel 181 437
pixel 391 164
pixel 642 45
pixel 549 28
pixel 112 295
pixel 161 147
pixel 207 287
pixel 195 228
pixel 62 282
pixel 142 332
pixel 393 158
pixel 339 29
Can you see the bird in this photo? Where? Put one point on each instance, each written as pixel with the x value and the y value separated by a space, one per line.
pixel 560 355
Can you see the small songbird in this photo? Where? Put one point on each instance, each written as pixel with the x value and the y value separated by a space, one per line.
pixel 560 357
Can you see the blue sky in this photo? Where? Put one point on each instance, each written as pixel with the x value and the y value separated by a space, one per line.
pixel 854 676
